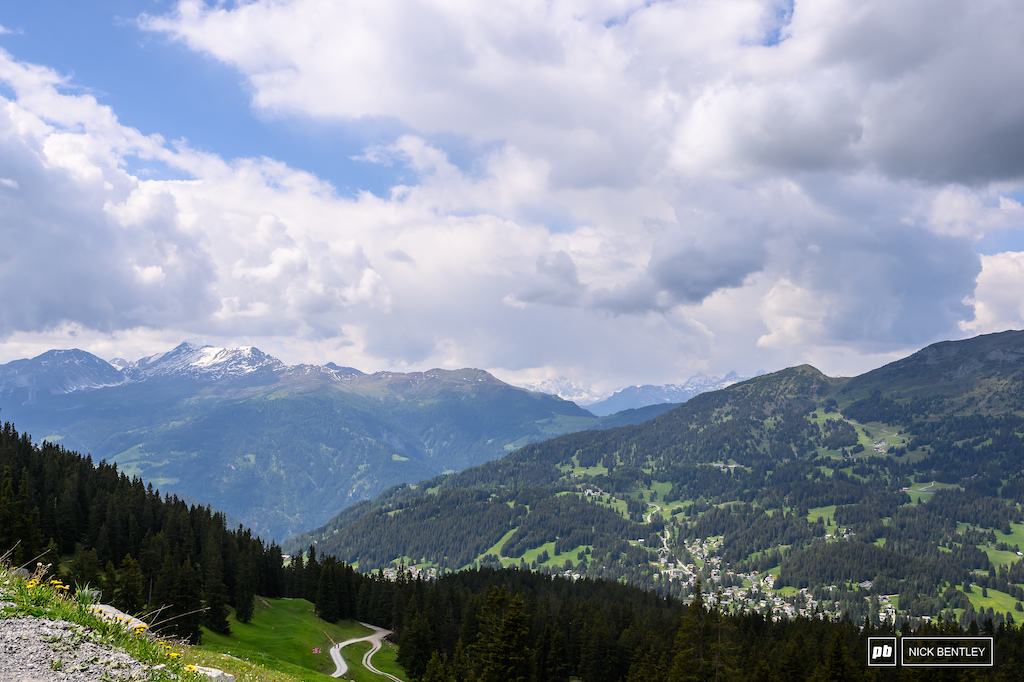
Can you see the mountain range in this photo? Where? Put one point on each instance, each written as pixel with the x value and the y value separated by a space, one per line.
pixel 279 447
pixel 647 394
pixel 899 489
pixel 631 397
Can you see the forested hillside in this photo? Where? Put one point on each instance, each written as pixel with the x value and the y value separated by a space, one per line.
pixel 155 555
pixel 144 552
pixel 899 491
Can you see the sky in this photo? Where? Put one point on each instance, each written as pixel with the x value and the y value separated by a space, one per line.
pixel 613 191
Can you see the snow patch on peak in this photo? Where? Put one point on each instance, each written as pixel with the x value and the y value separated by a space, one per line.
pixel 566 389
pixel 641 396
pixel 194 360
pixel 56 372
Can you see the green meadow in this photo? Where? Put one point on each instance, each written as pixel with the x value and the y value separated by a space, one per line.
pixel 282 636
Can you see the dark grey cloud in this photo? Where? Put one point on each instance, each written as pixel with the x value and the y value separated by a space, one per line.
pixel 690 270
pixel 886 284
pixel 556 282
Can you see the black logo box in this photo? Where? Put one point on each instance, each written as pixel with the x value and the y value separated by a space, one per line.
pixel 931 652
pixel 882 652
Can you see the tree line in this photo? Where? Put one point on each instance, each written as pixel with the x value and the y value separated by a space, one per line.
pixel 145 553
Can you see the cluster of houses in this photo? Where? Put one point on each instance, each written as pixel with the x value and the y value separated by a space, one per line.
pixel 748 591
pixel 411 573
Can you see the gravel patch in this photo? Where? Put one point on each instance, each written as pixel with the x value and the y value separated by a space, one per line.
pixel 40 650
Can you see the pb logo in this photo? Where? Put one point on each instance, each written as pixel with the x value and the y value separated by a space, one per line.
pixel 882 651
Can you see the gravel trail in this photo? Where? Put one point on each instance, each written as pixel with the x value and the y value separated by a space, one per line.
pixel 40 650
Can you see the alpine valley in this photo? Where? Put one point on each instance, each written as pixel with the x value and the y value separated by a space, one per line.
pixel 279 448
pixel 893 494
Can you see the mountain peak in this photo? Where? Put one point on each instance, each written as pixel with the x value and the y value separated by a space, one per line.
pixel 948 366
pixel 194 360
pixel 647 394
pixel 566 389
pixel 56 372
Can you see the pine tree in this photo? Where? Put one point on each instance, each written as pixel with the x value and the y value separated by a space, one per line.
pixel 85 569
pixel 311 576
pixel 244 588
pixel 437 670
pixel 296 576
pixel 215 598
pixel 163 600
pixel 505 656
pixel 327 592
pixel 128 593
pixel 835 667
pixel 691 660
pixel 189 602
pixel 551 656
pixel 415 648
pixel 108 583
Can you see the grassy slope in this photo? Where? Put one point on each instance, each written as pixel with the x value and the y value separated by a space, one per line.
pixel 281 636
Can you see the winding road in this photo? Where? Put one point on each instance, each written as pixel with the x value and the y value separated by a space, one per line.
pixel 664 538
pixel 374 639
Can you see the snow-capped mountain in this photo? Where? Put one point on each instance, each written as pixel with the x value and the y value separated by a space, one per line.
pixel 641 396
pixel 566 389
pixel 56 372
pixel 193 360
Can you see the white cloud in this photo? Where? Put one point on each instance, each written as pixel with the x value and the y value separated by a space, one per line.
pixel 964 212
pixel 655 190
pixel 602 91
pixel 998 304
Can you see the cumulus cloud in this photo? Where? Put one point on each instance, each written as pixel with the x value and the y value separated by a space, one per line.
pixel 655 189
pixel 914 88
pixel 997 301
pixel 98 247
pixel 66 259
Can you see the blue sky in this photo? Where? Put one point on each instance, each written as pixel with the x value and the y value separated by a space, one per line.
pixel 155 84
pixel 616 192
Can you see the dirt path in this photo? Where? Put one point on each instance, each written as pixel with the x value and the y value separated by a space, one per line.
pixel 374 640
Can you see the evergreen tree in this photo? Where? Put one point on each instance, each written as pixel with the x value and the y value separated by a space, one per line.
pixel 311 576
pixel 85 569
pixel 296 575
pixel 691 660
pixel 835 667
pixel 551 656
pixel 128 592
pixel 244 588
pixel 189 603
pixel 215 597
pixel 437 670
pixel 503 640
pixel 327 592
pixel 414 651
pixel 163 602
pixel 791 662
pixel 108 583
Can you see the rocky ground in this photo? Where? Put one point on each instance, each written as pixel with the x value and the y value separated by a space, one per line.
pixel 40 650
